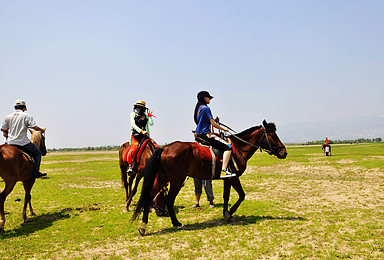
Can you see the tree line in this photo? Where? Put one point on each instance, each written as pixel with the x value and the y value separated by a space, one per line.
pixel 85 149
pixel 355 141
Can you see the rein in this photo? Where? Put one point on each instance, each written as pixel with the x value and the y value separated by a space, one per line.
pixel 265 136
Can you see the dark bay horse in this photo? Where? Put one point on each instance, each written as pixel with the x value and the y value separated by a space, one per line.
pixel 174 162
pixel 139 169
pixel 14 167
pixel 327 152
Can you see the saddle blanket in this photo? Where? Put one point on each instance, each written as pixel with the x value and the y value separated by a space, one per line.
pixel 141 150
pixel 204 152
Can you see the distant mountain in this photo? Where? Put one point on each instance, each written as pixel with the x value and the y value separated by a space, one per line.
pixel 346 128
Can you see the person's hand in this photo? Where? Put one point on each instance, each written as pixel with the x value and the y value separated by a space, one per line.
pixel 5 134
pixel 144 132
pixel 150 113
pixel 225 129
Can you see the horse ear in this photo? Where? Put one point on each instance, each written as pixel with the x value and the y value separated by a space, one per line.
pixel 31 131
pixel 265 123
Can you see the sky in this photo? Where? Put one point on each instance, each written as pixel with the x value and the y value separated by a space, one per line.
pixel 81 65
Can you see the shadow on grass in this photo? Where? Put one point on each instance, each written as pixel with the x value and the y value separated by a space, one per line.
pixel 235 220
pixel 36 223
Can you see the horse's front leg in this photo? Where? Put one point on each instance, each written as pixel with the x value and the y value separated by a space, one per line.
pixel 226 193
pixel 128 190
pixel 133 192
pixel 235 182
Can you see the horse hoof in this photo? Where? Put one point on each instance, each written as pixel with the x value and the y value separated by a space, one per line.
pixel 181 227
pixel 27 220
pixel 227 216
pixel 142 229
pixel 1 230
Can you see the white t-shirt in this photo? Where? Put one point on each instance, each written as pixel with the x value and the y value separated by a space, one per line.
pixel 18 123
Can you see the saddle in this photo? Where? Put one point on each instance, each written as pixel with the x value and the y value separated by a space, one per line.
pixel 211 154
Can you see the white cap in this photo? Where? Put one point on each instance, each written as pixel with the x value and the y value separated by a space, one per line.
pixel 20 103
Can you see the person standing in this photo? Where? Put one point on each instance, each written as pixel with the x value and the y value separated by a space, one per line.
pixel 204 119
pixel 199 190
pixel 15 127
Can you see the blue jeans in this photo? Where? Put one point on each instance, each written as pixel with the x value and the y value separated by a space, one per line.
pixel 207 187
pixel 34 152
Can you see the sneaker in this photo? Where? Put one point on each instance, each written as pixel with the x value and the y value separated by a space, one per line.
pixel 211 205
pixel 130 171
pixel 195 206
pixel 226 174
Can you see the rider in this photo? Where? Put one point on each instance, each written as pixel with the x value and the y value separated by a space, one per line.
pixel 204 119
pixel 140 121
pixel 326 141
pixel 15 127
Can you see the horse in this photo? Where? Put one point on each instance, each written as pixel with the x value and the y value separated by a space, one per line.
pixel 16 166
pixel 327 149
pixel 147 151
pixel 175 161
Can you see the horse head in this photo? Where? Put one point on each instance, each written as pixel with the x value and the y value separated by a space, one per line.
pixel 271 142
pixel 38 139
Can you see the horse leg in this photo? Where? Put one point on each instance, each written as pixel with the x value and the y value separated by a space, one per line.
pixel 158 185
pixel 124 177
pixel 128 190
pixel 3 195
pixel 170 202
pixel 27 201
pixel 235 181
pixel 133 192
pixel 226 193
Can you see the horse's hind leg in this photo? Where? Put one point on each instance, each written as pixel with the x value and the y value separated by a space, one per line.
pixel 3 195
pixel 170 201
pixel 27 201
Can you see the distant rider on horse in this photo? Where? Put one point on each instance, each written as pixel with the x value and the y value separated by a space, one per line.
pixel 141 119
pixel 15 127
pixel 204 119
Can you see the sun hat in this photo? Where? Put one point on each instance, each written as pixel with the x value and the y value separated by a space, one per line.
pixel 140 103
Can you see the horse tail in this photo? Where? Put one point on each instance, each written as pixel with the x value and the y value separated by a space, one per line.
pixel 150 172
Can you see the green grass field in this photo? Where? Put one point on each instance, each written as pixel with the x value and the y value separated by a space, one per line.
pixel 306 206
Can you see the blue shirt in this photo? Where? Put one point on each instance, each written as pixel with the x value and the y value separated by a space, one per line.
pixel 203 120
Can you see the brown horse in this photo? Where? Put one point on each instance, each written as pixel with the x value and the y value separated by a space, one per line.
pixel 139 169
pixel 174 162
pixel 14 167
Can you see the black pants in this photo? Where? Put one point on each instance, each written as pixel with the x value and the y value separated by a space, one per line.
pixel 33 151
pixel 215 143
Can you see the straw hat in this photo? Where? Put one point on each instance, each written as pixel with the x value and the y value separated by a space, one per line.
pixel 140 103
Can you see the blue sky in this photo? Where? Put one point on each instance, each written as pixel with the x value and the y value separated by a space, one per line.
pixel 81 65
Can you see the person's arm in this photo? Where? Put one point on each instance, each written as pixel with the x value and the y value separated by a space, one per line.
pixel 134 126
pixel 216 125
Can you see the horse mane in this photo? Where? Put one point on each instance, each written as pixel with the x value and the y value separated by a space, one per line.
pixel 36 138
pixel 269 127
pixel 248 131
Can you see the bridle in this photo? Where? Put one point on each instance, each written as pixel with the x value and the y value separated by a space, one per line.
pixel 264 138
